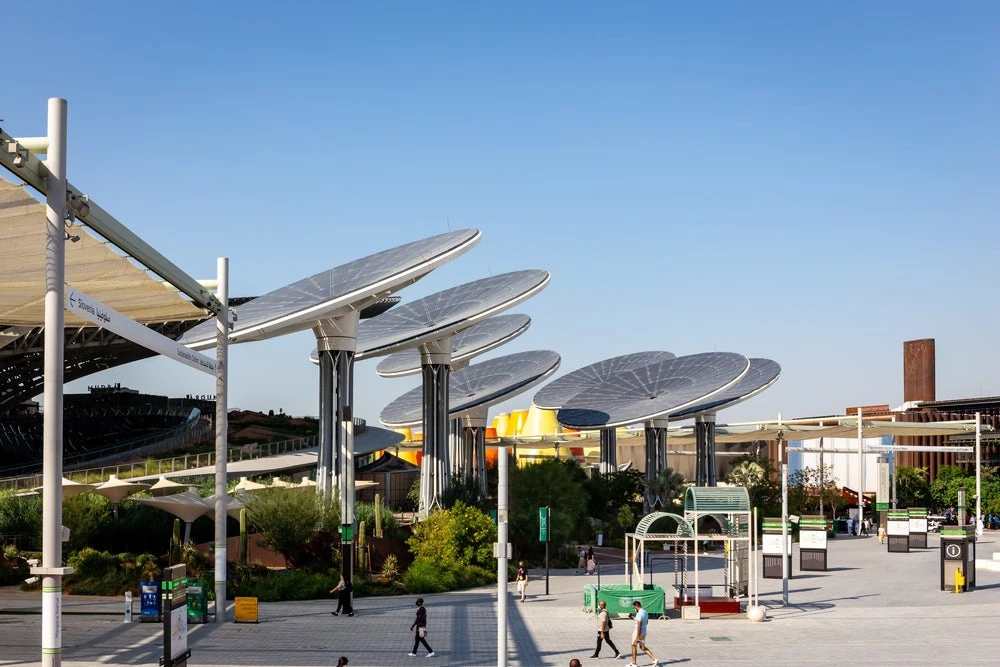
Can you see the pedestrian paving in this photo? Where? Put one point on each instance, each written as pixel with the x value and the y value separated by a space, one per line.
pixel 871 607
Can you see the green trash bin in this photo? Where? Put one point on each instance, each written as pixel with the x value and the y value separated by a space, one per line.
pixel 197 602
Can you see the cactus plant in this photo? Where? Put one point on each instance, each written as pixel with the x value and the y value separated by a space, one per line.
pixel 362 551
pixel 378 515
pixel 242 556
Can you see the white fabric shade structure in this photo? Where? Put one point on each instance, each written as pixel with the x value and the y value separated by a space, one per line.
pixel 186 506
pixel 246 484
pixel 70 488
pixel 233 506
pixel 277 482
pixel 117 490
pixel 92 266
pixel 166 487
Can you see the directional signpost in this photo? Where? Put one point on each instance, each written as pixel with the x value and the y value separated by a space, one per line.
pixel 94 311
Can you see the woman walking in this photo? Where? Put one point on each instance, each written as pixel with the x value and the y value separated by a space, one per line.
pixel 420 623
pixel 521 580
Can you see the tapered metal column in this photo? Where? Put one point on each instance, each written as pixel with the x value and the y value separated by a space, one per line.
pixel 456 454
pixel 474 448
pixel 336 341
pixel 324 473
pixel 435 360
pixel 221 438
pixel 51 569
pixel 704 427
pixel 609 450
pixel 656 459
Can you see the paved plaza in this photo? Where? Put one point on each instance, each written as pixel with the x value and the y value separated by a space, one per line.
pixel 871 607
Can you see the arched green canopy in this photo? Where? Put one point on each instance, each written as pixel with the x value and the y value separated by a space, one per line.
pixel 716 499
pixel 684 527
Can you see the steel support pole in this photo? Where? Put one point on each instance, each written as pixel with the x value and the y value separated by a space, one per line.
pixel 784 516
pixel 55 272
pixel 861 473
pixel 979 478
pixel 221 437
pixel 609 450
pixel 502 554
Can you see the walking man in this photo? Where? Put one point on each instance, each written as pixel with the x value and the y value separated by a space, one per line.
pixel 420 623
pixel 639 636
pixel 603 630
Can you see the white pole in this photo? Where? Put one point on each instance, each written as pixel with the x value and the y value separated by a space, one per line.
pixel 979 479
pixel 502 553
pixel 784 516
pixel 221 437
pixel 861 475
pixel 753 558
pixel 55 278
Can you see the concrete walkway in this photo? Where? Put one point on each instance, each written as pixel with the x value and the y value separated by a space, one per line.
pixel 872 607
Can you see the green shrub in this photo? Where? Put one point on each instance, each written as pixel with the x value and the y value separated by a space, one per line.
pixel 427 576
pixel 366 512
pixel 284 585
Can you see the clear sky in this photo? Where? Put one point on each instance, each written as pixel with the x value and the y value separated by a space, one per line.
pixel 809 182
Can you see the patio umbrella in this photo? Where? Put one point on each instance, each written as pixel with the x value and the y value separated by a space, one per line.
pixel 165 487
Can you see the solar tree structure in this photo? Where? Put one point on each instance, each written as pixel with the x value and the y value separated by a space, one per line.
pixel 429 324
pixel 471 391
pixel 762 374
pixel 472 342
pixel 561 391
pixel 649 394
pixel 330 303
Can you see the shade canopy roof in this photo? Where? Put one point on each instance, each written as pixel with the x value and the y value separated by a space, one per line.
pixel 166 487
pixel 477 386
pixel 447 312
pixel 70 488
pixel 653 391
pixel 337 291
pixel 116 489
pixel 92 266
pixel 558 393
pixel 186 505
pixel 472 342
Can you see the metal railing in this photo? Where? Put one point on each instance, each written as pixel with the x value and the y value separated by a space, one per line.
pixel 166 465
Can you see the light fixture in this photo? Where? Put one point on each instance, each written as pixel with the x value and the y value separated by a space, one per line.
pixel 19 154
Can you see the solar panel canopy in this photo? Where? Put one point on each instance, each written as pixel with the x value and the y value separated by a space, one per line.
pixel 446 312
pixel 761 375
pixel 558 393
pixel 653 391
pixel 477 339
pixel 477 386
pixel 327 294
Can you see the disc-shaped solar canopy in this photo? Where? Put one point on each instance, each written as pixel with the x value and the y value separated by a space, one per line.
pixel 477 339
pixel 653 391
pixel 558 393
pixel 761 375
pixel 476 386
pixel 445 313
pixel 351 286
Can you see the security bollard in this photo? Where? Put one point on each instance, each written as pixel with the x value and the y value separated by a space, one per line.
pixel 128 607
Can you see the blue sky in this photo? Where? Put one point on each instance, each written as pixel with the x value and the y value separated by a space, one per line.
pixel 813 184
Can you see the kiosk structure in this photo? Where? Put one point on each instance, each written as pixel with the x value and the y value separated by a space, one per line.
pixel 729 508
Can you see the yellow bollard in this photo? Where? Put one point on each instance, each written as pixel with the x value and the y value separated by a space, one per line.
pixel 959 580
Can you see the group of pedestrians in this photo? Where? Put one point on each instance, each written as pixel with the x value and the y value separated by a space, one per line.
pixel 604 623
